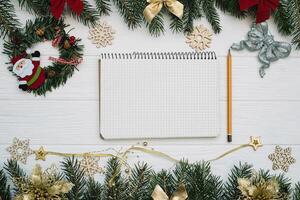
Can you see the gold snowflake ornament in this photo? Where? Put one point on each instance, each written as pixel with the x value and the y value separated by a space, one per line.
pixel 102 35
pixel 282 158
pixel 90 165
pixel 199 39
pixel 19 150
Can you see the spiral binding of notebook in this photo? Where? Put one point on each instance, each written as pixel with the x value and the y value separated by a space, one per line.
pixel 159 95
pixel 210 55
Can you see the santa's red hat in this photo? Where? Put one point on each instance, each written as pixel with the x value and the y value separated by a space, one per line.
pixel 19 58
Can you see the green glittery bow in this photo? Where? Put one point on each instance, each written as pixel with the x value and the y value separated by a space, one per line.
pixel 259 38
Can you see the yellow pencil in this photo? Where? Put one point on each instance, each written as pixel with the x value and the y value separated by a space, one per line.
pixel 229 97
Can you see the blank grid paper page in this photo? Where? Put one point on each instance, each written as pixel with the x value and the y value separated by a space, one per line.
pixel 159 98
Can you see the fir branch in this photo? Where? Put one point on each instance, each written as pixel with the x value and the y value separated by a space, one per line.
pixel 138 183
pixel 156 27
pixel 131 11
pixel 231 191
pixel 37 7
pixel 181 172
pixel 296 194
pixel 8 18
pixel 74 174
pixel 114 187
pixel 212 15
pixel 284 186
pixel 232 7
pixel 295 16
pixel 89 15
pixel 176 24
pixel 192 11
pixel 17 175
pixel 103 7
pixel 282 17
pixel 165 180
pixel 93 191
pixel 203 184
pixel 4 187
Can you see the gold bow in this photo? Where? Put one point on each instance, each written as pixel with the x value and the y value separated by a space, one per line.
pixel 180 194
pixel 155 6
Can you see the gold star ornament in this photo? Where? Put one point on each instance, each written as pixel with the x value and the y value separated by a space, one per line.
pixel 40 154
pixel 282 158
pixel 19 150
pixel 255 142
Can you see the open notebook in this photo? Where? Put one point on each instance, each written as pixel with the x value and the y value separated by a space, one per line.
pixel 159 95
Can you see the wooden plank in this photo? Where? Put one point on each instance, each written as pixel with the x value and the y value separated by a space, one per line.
pixel 76 122
pixel 281 82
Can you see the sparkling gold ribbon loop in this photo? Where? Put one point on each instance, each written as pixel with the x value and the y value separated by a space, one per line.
pixel 180 194
pixel 155 6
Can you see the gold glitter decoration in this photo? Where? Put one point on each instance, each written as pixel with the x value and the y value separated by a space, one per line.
pixel 199 39
pixel 102 35
pixel 19 150
pixel 255 142
pixel 41 185
pixel 282 158
pixel 258 190
pixel 90 165
pixel 40 154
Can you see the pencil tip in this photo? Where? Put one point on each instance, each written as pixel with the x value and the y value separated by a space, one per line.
pixel 229 51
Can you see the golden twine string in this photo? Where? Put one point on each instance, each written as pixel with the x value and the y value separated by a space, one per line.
pixel 255 143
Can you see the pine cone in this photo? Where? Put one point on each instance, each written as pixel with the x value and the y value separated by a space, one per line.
pixel 40 32
pixel 51 73
pixel 67 44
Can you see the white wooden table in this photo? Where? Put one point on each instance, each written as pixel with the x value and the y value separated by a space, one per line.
pixel 67 119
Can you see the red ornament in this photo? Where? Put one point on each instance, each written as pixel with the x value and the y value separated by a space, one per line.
pixel 57 7
pixel 72 40
pixel 264 8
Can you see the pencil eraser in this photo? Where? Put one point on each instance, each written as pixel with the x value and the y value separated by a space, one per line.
pixel 229 138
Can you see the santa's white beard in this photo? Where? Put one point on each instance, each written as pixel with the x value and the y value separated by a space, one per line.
pixel 26 70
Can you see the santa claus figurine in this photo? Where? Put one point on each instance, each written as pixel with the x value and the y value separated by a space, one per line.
pixel 31 74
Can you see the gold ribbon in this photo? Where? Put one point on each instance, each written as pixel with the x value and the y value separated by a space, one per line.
pixel 155 6
pixel 180 194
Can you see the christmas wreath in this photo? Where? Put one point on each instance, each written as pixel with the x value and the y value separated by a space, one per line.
pixel 25 64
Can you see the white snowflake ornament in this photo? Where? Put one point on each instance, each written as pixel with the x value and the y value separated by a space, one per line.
pixel 102 35
pixel 19 150
pixel 90 165
pixel 199 39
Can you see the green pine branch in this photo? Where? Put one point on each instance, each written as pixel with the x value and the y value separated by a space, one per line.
pixel 283 17
pixel 138 183
pixel 89 15
pixel 203 184
pixel 131 11
pixel 16 173
pixel 93 190
pixel 4 187
pixel 231 191
pixel 8 19
pixel 211 14
pixel 74 174
pixel 114 184
pixel 165 180
pixel 285 187
pixel 296 194
pixel 295 19
pixel 103 7
pixel 232 7
pixel 37 7
pixel 156 27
